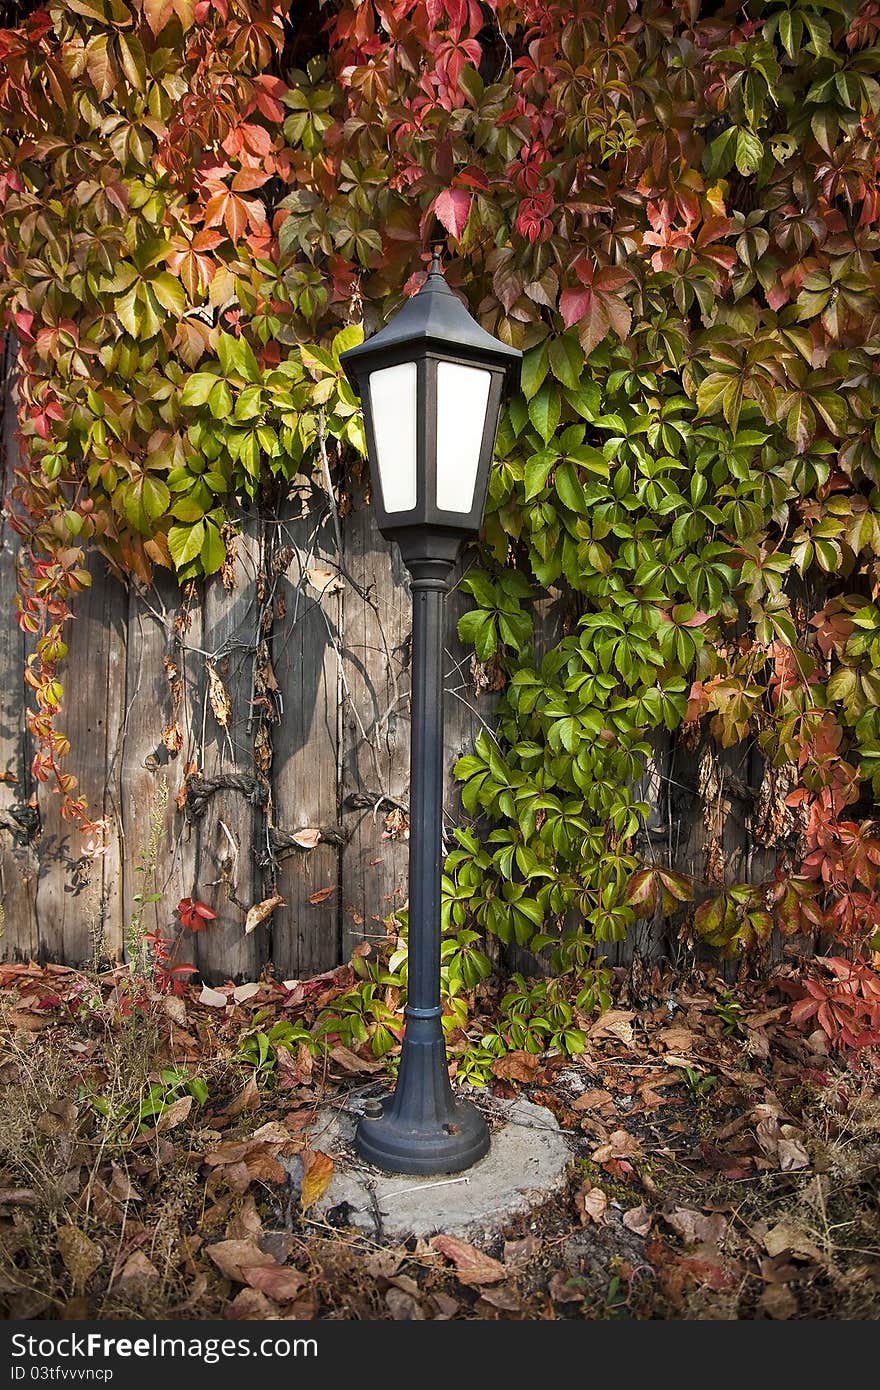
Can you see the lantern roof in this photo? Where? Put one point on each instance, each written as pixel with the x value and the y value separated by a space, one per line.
pixel 433 318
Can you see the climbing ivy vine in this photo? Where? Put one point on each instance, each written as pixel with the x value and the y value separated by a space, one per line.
pixel 672 209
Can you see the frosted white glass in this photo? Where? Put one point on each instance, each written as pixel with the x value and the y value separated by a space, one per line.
pixel 393 400
pixel 462 397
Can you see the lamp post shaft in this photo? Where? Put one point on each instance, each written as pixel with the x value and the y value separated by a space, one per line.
pixel 426 793
pixel 423 1129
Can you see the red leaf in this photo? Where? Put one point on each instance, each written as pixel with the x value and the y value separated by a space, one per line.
pixel 573 305
pixel 452 207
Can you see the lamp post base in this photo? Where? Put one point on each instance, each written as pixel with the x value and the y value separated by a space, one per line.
pixel 422 1128
pixel 399 1145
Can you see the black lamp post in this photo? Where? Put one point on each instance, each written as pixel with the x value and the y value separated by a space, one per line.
pixel 431 382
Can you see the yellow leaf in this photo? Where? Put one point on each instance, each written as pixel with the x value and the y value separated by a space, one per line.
pixel 318 1172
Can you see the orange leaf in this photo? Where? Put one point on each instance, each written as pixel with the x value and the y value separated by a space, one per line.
pixel 318 1172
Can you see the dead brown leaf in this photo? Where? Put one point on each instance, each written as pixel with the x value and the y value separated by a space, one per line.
pixel 251 1305
pixel 174 1114
pixel 595 1099
pixel 234 1257
pixel 638 1220
pixel 778 1302
pixel 591 1203
pixel 696 1227
pixel 472 1266
pixel 677 1039
pixel 350 1062
pixel 616 1023
pixel 81 1255
pixel 785 1237
pixel 59 1119
pixel 217 696
pixel 138 1270
pixel 503 1297
pixel 620 1145
pixel 280 1282
pixel 516 1066
pixel 322 895
pixel 562 1290
pixel 260 911
pixel 247 1099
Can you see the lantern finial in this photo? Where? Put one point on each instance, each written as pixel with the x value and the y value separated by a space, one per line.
pixel 436 263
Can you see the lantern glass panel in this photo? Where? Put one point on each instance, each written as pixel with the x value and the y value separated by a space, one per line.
pixel 462 398
pixel 393 398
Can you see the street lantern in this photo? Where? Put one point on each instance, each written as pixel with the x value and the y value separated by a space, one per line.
pixel 431 383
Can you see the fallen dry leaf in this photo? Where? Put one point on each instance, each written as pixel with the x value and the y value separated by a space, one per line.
pixel 502 1297
pixel 516 1066
pixel 791 1152
pixel 174 1114
pixel 778 1302
pixel 214 997
pixel 696 1227
pixel 276 1281
pixel 562 1290
pixel 471 1265
pixel 638 1220
pixel 349 1061
pixel 260 911
pixel 242 993
pixel 233 1257
pixel 785 1236
pixel 595 1099
pixel 247 1099
pixel 620 1145
pixel 677 1038
pixel 591 1203
pixel 81 1255
pixel 138 1270
pixel 251 1306
pixel 318 1172
pixel 617 1023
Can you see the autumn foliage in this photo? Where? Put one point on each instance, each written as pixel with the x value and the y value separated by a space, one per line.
pixel 673 210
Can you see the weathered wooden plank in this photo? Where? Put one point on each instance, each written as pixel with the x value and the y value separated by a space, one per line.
pixel 377 625
pixel 232 819
pixel 78 900
pixel 165 682
pixel 18 819
pixel 306 638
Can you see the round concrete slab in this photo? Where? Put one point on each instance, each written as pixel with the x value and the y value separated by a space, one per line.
pixel 528 1161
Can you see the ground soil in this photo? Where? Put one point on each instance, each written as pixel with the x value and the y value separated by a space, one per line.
pixel 724 1165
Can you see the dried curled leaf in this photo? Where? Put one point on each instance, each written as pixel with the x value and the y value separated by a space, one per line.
pixel 260 911
pixel 217 696
pixel 471 1265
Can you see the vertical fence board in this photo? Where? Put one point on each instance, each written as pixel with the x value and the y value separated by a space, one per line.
pixel 233 820
pixel 161 627
pixel 306 638
pixel 19 939
pixel 377 627
pixel 78 900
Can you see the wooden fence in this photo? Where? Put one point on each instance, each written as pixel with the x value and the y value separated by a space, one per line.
pixel 285 685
